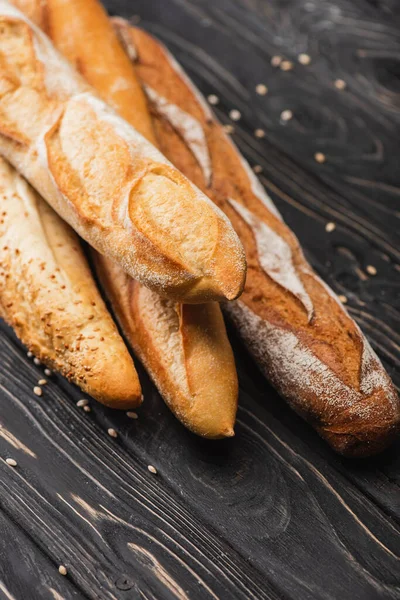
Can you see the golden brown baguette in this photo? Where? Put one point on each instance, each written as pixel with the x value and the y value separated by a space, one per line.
pixel 300 334
pixel 104 178
pixel 184 347
pixel 47 294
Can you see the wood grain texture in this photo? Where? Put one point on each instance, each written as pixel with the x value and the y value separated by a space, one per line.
pixel 272 513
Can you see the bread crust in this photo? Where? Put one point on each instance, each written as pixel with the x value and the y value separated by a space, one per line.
pixel 300 334
pixel 184 347
pixel 47 294
pixel 104 178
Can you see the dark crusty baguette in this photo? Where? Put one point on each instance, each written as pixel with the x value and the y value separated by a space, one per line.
pixel 49 297
pixel 301 336
pixel 104 178
pixel 184 347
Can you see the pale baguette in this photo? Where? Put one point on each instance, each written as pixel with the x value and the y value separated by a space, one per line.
pixel 184 347
pixel 47 294
pixel 300 334
pixel 104 178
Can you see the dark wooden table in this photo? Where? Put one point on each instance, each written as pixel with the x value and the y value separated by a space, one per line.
pixel 272 513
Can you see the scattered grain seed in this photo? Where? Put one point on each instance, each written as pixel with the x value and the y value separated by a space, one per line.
pixel 329 227
pixel 286 115
pixel 261 89
pixel 304 59
pixel 213 99
pixel 342 299
pixel 235 114
pixel 257 169
pixel 112 432
pixel 132 415
pixel 276 61
pixel 320 157
pixel 29 354
pixel 152 469
pixel 37 390
pixel 11 462
pixel 259 133
pixel 42 381
pixel 229 129
pixel 36 361
pixel 62 570
pixel 340 84
pixel 47 372
pixel 87 408
pixel 286 65
pixel 82 402
pixel 371 270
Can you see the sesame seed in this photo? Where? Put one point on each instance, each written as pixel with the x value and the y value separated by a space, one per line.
pixel 87 408
pixel 304 59
pixel 152 469
pixel 29 354
pixel 343 299
pixel 229 129
pixel 235 114
pixel 36 361
pixel 371 270
pixel 11 462
pixel 47 372
pixel 286 115
pixel 112 432
pixel 82 402
pixel 320 157
pixel 62 570
pixel 257 169
pixel 340 84
pixel 132 415
pixel 42 381
pixel 329 227
pixel 276 61
pixel 259 133
pixel 261 89
pixel 37 390
pixel 213 99
pixel 286 65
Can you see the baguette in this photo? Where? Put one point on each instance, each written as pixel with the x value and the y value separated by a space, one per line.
pixel 47 294
pixel 184 347
pixel 298 331
pixel 104 178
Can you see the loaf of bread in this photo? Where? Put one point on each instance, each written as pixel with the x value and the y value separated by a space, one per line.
pixel 184 347
pixel 300 334
pixel 48 295
pixel 104 178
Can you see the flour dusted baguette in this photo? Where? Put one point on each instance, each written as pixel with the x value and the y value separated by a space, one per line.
pixel 104 178
pixel 184 347
pixel 303 339
pixel 47 294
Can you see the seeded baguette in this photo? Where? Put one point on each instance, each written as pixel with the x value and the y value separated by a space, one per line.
pixel 184 347
pixel 47 294
pixel 104 178
pixel 300 334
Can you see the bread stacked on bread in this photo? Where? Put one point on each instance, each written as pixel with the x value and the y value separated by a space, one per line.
pixel 184 347
pixel 105 179
pixel 300 334
pixel 143 214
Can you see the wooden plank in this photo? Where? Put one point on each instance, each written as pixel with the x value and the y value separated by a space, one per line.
pixel 272 513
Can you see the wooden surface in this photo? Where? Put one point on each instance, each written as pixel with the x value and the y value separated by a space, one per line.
pixel 272 513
